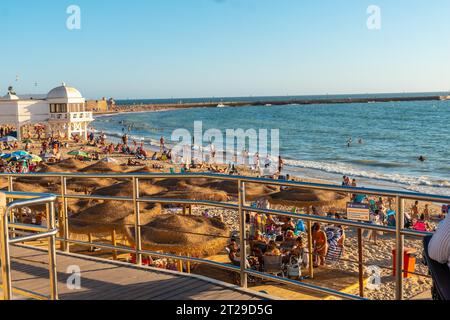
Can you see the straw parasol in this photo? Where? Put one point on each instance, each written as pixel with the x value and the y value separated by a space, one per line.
pixel 102 218
pixel 102 167
pixel 185 191
pixel 252 191
pixel 70 164
pixel 193 235
pixel 303 198
pixel 125 189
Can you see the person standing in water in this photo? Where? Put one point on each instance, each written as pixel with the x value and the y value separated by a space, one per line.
pixel 280 164
pixel 161 144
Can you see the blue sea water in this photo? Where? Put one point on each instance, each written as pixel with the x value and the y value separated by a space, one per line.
pixel 313 138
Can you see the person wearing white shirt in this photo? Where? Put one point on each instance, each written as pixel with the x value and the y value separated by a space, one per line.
pixel 439 246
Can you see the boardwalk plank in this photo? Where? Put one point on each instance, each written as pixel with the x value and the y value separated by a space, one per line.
pixel 111 281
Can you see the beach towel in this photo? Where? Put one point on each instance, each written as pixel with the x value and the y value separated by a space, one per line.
pixel 334 250
pixel 360 198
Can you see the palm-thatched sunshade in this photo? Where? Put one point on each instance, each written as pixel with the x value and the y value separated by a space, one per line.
pixel 185 191
pixel 193 235
pixel 103 167
pixel 253 191
pixel 102 218
pixel 303 198
pixel 70 165
pixel 125 189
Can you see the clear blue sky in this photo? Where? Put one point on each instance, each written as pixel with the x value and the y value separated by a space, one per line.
pixel 203 48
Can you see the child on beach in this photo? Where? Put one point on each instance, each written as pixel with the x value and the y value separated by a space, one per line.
pixel 320 245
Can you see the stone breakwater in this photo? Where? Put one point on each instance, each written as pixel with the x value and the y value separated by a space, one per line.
pixel 268 102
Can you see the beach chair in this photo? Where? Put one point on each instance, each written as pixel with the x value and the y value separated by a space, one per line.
pixel 274 265
pixel 440 273
pixel 360 198
pixel 172 170
pixel 390 217
pixel 335 250
pixel 299 227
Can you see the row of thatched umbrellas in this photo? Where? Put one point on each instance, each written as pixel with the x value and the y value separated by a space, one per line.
pixel 172 233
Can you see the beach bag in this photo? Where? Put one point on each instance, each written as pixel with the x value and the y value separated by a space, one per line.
pixel 300 227
pixel 293 269
pixel 305 258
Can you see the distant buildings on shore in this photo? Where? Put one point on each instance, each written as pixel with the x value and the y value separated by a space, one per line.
pixel 102 105
pixel 62 111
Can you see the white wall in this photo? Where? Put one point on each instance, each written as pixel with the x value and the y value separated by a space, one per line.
pixel 24 111
pixel 33 111
pixel 8 112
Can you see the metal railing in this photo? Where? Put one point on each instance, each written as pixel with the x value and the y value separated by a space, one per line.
pixel 242 208
pixel 32 233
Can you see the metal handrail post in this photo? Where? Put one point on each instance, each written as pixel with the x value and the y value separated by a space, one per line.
pixel 11 215
pixel 10 184
pixel 137 224
pixel 242 235
pixel 4 247
pixel 64 215
pixel 399 238
pixel 52 252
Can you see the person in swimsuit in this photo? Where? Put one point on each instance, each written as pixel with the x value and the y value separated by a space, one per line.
pixel 320 245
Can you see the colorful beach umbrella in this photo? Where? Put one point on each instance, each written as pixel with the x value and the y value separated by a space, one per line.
pixel 8 139
pixel 109 160
pixel 19 153
pixel 32 158
pixel 78 153
pixel 5 156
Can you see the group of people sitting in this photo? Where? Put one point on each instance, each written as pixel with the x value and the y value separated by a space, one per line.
pixel 284 237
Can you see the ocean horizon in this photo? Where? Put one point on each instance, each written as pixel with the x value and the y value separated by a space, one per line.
pixel 313 138
pixel 250 99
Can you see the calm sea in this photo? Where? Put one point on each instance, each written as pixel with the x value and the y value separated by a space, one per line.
pixel 313 138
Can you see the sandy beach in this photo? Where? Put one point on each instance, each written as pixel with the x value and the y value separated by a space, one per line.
pixel 379 254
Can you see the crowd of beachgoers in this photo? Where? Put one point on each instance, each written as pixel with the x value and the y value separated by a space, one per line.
pixel 276 245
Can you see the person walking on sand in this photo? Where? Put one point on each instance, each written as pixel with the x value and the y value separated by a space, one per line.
pixel 161 144
pixel 426 212
pixel 212 150
pixel 256 162
pixel 415 210
pixel 245 158
pixel 280 164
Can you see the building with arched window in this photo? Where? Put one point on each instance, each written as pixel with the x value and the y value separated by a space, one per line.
pixel 62 111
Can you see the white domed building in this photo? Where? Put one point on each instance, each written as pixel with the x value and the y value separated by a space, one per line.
pixel 62 111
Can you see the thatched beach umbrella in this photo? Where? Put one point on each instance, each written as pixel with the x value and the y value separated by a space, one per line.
pixel 192 235
pixel 103 218
pixel 304 198
pixel 252 191
pixel 191 192
pixel 103 167
pixel 70 164
pixel 125 189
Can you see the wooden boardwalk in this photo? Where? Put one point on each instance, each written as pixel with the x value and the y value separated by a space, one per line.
pixel 105 280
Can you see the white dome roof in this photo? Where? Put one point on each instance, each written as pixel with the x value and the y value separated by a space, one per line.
pixel 64 92
pixel 10 96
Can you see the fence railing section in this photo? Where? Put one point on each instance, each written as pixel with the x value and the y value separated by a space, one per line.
pixel 28 232
pixel 242 208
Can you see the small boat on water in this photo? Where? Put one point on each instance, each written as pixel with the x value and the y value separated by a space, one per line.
pixel 221 105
